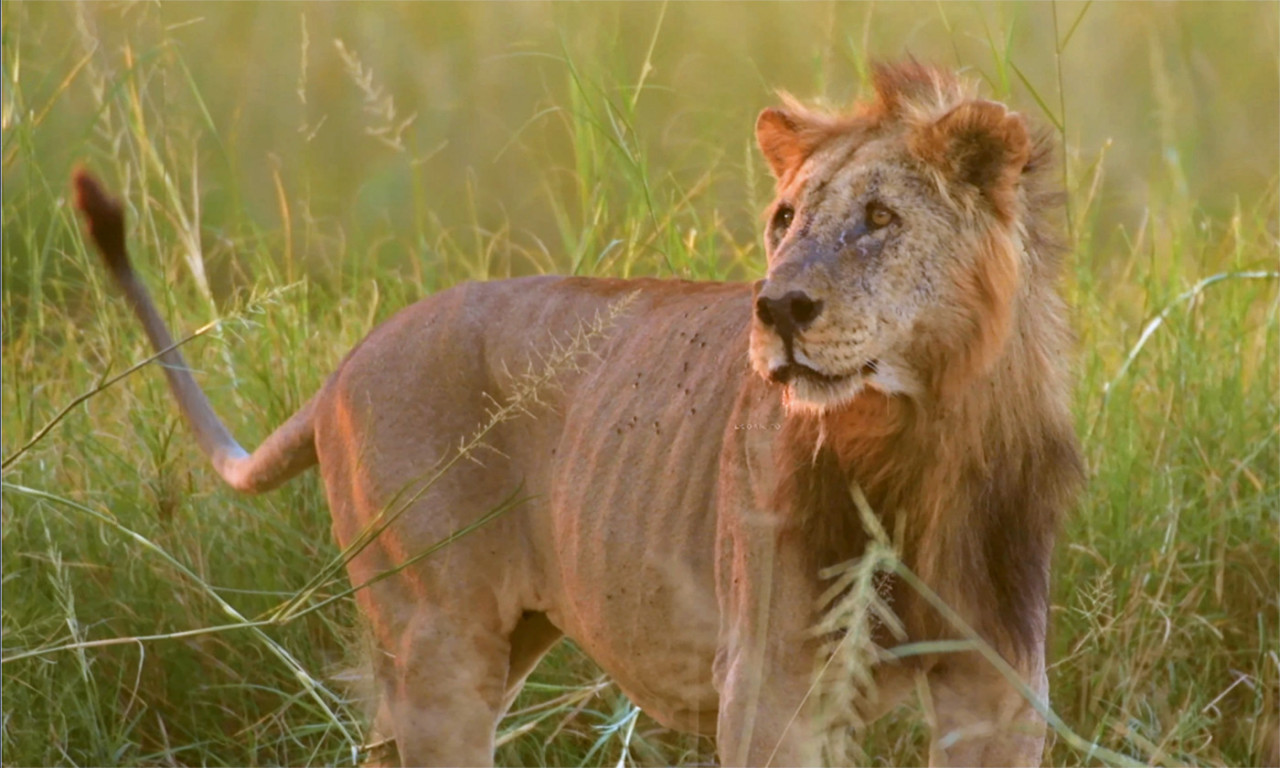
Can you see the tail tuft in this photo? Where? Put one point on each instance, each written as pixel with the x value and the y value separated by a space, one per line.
pixel 105 217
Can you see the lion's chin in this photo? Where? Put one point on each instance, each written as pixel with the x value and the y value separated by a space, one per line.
pixel 804 394
pixel 808 391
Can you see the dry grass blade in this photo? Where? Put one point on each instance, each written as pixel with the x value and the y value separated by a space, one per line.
pixel 388 128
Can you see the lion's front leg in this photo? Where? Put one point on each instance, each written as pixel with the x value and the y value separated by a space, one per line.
pixel 763 718
pixel 978 718
pixel 765 667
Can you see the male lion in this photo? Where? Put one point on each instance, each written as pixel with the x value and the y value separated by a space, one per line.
pixel 688 473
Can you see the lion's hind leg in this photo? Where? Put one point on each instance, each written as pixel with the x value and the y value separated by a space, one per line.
pixel 448 680
pixel 444 687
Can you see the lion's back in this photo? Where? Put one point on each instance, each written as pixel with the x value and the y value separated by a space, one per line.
pixel 648 358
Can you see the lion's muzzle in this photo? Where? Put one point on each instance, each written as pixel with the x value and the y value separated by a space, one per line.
pixel 787 315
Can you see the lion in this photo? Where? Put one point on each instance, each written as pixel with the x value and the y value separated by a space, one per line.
pixel 684 481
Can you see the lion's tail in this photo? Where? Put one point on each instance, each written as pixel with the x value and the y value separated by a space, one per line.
pixel 285 453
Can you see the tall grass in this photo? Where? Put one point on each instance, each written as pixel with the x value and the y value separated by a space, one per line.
pixel 296 173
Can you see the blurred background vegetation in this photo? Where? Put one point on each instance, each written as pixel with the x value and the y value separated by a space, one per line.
pixel 300 171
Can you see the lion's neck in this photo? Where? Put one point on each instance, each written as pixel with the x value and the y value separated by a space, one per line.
pixel 819 456
pixel 974 484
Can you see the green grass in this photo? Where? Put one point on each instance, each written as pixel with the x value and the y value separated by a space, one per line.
pixel 608 140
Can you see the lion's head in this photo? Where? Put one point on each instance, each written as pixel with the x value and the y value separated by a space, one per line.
pixel 896 241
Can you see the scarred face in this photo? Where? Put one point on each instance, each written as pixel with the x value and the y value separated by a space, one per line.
pixel 867 265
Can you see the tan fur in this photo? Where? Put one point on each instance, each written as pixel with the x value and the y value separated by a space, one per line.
pixel 676 506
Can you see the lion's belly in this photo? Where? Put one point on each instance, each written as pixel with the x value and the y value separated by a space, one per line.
pixel 637 578
pixel 650 621
pixel 638 591
pixel 633 513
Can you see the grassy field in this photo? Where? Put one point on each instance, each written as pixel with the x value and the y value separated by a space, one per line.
pixel 296 173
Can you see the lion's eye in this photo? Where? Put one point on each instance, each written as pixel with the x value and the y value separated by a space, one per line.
pixel 878 216
pixel 782 218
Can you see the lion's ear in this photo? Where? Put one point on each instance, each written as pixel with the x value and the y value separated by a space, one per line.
pixel 980 144
pixel 786 138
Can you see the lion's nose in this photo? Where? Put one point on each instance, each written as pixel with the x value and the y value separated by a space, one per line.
pixel 788 314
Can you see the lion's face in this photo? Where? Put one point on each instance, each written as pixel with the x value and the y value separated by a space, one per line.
pixel 861 241
pixel 891 249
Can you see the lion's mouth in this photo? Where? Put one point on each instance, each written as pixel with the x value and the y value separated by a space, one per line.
pixel 790 372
